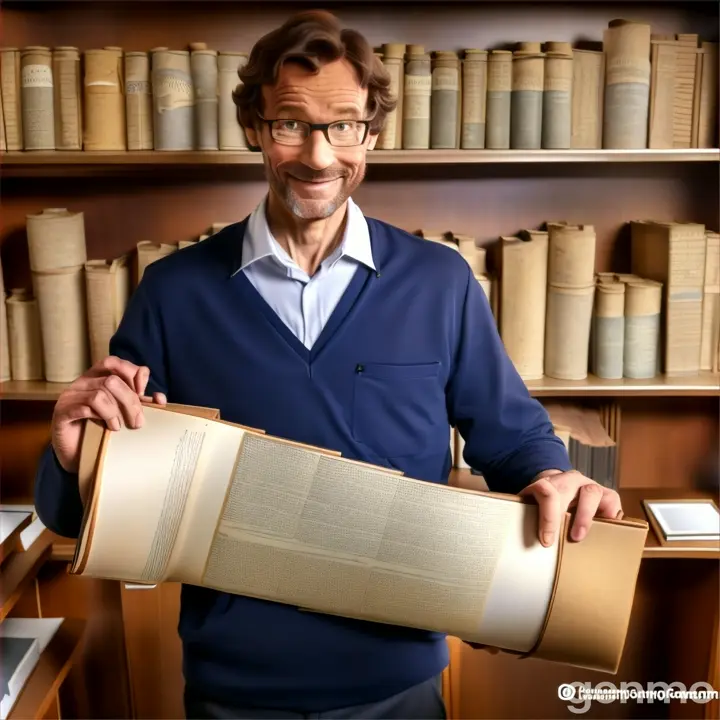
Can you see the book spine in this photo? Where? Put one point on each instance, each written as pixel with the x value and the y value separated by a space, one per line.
pixel 588 88
pixel 557 97
pixel 204 68
pixel 417 99
pixel 445 101
pixel 474 97
pixel 526 112
pixel 67 98
pixel 173 100
pixel 393 58
pixel 627 84
pixel 608 332
pixel 138 101
pixel 38 99
pixel 641 352
pixel 11 89
pixel 230 134
pixel 499 93
pixel 24 337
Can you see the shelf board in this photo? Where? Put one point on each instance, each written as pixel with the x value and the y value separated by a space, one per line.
pixel 18 163
pixel 706 384
pixel 632 507
pixel 20 569
pixel 52 668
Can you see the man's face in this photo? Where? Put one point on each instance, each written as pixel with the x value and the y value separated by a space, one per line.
pixel 314 179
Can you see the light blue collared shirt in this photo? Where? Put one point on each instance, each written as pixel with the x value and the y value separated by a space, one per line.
pixel 302 302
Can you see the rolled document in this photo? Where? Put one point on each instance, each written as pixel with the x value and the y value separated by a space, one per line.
pixel 627 84
pixel 173 100
pixel 107 286
pixel 642 348
pixel 231 133
pixel 567 331
pixel 68 98
pixel 393 58
pixel 445 101
pixel 38 99
pixel 474 99
pixel 26 354
pixel 499 91
pixel 138 101
pixel 63 322
pixel 417 99
pixel 608 335
pixel 557 96
pixel 105 127
pixel 204 67
pixel 56 239
pixel 523 288
pixel 229 518
pixel 11 89
pixel 526 115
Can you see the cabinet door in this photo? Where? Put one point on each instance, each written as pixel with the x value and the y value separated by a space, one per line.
pixel 154 651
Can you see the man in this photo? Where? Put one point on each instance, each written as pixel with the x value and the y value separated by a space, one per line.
pixel 318 324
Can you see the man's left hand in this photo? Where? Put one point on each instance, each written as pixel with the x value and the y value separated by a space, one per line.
pixel 556 492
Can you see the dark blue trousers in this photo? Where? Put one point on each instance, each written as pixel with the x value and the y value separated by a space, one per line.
pixel 421 702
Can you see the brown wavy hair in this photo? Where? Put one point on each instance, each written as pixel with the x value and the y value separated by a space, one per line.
pixel 311 39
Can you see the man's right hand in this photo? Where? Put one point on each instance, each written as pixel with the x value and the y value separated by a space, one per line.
pixel 111 392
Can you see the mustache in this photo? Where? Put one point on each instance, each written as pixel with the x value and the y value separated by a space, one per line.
pixel 303 172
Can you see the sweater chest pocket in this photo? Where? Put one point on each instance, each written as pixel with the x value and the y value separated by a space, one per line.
pixel 399 409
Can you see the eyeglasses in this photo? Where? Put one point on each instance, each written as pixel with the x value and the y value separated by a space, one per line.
pixel 340 133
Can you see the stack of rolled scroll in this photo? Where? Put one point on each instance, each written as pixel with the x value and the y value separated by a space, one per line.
pixel 57 250
pixel 626 326
pixel 570 294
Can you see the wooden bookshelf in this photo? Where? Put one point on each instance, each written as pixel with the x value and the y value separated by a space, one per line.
pixel 705 384
pixel 22 163
pixel 42 687
pixel 667 428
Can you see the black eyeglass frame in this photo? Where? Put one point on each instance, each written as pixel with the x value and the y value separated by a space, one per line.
pixel 325 127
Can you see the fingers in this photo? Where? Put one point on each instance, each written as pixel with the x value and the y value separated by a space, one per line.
pixel 553 501
pixel 158 398
pixel 589 497
pixel 555 494
pixel 135 376
pixel 108 398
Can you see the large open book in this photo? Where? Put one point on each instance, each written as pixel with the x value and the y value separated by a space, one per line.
pixel 194 499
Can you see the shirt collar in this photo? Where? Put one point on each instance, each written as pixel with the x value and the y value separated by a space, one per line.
pixel 259 243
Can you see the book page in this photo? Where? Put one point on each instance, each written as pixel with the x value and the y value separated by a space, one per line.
pixel 155 481
pixel 336 536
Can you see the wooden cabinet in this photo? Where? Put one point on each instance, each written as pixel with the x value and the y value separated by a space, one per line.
pixel 667 429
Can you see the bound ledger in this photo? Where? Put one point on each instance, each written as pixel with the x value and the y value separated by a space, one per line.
pixel 194 499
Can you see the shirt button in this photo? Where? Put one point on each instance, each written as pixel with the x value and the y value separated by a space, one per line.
pixel 359 368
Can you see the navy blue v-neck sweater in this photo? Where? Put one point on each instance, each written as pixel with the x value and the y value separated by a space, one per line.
pixel 410 349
